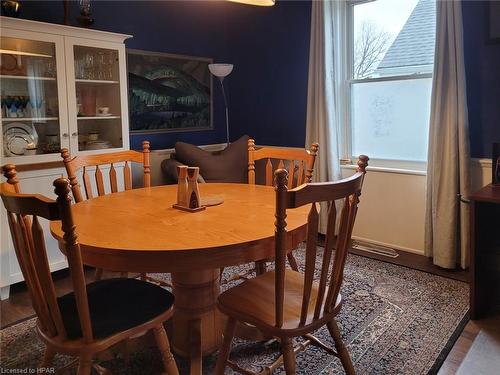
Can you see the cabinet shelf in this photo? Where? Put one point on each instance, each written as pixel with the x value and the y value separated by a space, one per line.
pixel 97 117
pixel 96 82
pixel 33 119
pixel 26 78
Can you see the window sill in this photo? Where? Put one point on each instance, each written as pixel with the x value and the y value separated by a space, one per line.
pixel 388 170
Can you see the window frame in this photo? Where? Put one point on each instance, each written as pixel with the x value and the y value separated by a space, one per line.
pixel 391 165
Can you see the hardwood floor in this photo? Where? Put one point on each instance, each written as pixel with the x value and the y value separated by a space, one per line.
pixel 18 306
pixel 484 355
pixel 477 350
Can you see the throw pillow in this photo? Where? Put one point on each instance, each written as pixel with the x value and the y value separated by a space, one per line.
pixel 228 165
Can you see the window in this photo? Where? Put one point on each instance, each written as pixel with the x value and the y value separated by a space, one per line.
pixel 390 77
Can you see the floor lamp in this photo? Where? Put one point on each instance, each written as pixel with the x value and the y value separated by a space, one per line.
pixel 221 71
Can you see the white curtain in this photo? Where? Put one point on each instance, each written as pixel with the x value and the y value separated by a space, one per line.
pixel 447 216
pixel 325 92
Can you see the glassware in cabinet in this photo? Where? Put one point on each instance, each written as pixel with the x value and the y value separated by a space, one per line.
pixel 97 84
pixel 29 97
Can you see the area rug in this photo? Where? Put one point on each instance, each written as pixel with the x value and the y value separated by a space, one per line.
pixel 395 320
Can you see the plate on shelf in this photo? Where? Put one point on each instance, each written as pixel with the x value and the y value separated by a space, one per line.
pixel 17 136
pixel 104 114
pixel 98 145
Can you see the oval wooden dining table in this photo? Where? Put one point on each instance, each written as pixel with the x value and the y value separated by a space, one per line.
pixel 139 231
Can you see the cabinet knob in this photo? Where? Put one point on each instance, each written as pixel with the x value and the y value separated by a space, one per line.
pixel 65 135
pixel 75 134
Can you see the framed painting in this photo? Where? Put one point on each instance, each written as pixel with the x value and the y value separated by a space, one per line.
pixel 168 93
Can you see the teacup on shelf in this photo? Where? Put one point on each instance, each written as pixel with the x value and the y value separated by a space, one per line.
pixel 103 111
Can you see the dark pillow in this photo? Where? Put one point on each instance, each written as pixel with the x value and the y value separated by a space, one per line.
pixel 228 165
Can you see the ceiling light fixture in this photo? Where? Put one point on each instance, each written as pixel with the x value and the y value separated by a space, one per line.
pixel 262 3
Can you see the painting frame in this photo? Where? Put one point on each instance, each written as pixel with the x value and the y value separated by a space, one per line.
pixel 168 58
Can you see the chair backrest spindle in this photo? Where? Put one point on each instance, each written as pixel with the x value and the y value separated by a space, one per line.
pixel 311 247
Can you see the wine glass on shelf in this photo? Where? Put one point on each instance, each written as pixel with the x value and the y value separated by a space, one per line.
pixel 102 62
pixel 110 62
pixel 8 101
pixel 23 105
pixel 89 63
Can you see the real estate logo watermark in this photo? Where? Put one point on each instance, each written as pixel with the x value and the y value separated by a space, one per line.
pixel 26 370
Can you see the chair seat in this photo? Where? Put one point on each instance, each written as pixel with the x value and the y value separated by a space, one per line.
pixel 115 305
pixel 253 300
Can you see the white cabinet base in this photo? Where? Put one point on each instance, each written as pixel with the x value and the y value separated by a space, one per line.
pixel 4 292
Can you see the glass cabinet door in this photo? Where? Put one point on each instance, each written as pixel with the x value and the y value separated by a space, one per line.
pixel 98 104
pixel 30 91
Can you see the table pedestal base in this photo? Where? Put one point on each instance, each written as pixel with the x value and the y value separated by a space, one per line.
pixel 197 323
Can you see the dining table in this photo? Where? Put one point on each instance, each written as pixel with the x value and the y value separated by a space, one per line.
pixel 139 231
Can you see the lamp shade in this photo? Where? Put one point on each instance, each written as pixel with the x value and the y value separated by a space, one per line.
pixel 220 70
pixel 262 3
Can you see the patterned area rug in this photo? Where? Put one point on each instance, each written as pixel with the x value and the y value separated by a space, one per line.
pixel 395 320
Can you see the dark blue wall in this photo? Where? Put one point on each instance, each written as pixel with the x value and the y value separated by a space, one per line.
pixel 189 28
pixel 270 49
pixel 268 45
pixel 482 64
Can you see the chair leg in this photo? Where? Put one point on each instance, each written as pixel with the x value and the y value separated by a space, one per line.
pixel 226 347
pixel 260 267
pixel 220 274
pixel 292 261
pixel 48 357
pixel 85 365
pixel 98 274
pixel 345 358
pixel 164 346
pixel 288 355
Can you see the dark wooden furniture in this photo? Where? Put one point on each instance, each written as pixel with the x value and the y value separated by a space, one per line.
pixel 154 237
pixel 285 303
pixel 84 162
pixel 485 251
pixel 78 324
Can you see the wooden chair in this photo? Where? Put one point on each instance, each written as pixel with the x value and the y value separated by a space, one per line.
pixel 86 162
pixel 300 171
pixel 300 163
pixel 78 324
pixel 285 303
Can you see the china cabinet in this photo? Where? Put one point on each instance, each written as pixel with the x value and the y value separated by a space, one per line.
pixel 60 87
